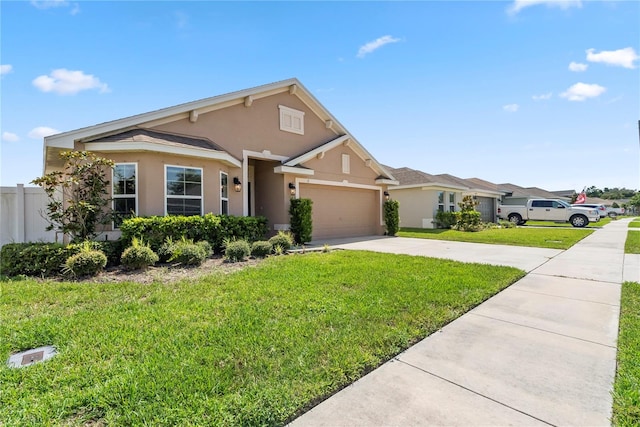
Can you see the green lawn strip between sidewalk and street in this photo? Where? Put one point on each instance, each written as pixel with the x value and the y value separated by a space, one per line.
pixel 255 347
pixel 632 244
pixel 552 238
pixel 626 390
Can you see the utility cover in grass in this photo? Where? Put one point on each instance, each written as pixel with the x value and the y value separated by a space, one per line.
pixel 29 357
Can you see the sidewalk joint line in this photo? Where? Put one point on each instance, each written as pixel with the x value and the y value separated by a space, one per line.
pixel 543 330
pixel 563 297
pixel 474 392
pixel 575 278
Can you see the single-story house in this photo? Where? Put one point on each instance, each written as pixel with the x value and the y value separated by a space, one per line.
pixel 242 153
pixel 516 195
pixel 422 195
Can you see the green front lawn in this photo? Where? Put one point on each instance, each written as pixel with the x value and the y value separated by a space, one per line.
pixel 255 347
pixel 553 238
pixel 632 244
pixel 634 224
pixel 602 222
pixel 626 390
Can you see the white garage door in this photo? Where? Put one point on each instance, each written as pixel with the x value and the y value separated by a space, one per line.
pixel 342 212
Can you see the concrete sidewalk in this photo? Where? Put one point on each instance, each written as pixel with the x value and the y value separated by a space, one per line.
pixel 541 352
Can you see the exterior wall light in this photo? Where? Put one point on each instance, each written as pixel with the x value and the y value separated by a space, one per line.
pixel 237 185
pixel 292 188
pixel 386 195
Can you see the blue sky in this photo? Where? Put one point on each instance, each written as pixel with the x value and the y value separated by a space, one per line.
pixel 535 93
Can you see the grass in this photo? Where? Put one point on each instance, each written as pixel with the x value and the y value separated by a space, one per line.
pixel 634 224
pixel 553 238
pixel 626 390
pixel 601 223
pixel 632 244
pixel 255 347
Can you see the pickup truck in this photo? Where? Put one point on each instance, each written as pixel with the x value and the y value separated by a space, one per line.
pixel 548 210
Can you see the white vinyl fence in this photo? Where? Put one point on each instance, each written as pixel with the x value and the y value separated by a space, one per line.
pixel 21 215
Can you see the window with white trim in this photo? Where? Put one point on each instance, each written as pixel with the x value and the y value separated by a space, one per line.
pixel 452 202
pixel 224 193
pixel 124 191
pixel 441 201
pixel 291 120
pixel 346 163
pixel 183 190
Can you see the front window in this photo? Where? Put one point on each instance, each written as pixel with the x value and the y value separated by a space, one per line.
pixel 452 202
pixel 224 193
pixel 184 190
pixel 124 191
pixel 441 201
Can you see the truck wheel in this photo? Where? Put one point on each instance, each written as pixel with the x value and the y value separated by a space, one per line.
pixel 579 221
pixel 515 218
pixel 612 214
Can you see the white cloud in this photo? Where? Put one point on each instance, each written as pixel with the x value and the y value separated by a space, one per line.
pixel 42 131
pixel 511 108
pixel 10 137
pixel 5 69
pixel 376 44
pixel 621 57
pixel 582 91
pixel 518 5
pixel 48 4
pixel 578 67
pixel 67 82
pixel 542 97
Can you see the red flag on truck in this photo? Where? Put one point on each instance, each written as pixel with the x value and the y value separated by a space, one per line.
pixel 582 197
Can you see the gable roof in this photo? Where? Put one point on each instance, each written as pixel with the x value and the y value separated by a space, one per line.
pixel 410 178
pixel 517 191
pixel 191 110
pixel 154 136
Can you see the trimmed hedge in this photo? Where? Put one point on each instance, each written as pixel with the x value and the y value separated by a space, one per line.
pixel 35 259
pixel 391 216
pixel 211 228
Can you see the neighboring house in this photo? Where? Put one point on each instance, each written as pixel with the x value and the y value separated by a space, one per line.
pixel 422 195
pixel 485 193
pixel 242 153
pixel 516 195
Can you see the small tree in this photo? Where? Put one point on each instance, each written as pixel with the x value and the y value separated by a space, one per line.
pixel 391 210
pixel 301 222
pixel 469 219
pixel 78 196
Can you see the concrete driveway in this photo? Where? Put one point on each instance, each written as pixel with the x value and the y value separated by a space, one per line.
pixel 541 352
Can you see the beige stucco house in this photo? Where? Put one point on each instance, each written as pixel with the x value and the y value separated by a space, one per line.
pixel 422 195
pixel 243 153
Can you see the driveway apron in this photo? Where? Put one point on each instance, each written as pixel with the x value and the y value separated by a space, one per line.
pixel 541 352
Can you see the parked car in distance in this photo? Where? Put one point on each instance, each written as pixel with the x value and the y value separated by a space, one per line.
pixel 548 210
pixel 602 209
pixel 614 212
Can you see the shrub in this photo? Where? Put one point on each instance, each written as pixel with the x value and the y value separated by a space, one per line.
pixel 301 223
pixel 469 219
pixel 391 217
pixel 88 262
pixel 445 219
pixel 34 259
pixel 213 228
pixel 206 247
pixel 237 250
pixel 260 249
pixel 138 256
pixel 186 252
pixel 283 239
pixel 165 251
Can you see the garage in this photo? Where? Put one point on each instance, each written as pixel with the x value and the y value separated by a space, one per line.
pixel 486 207
pixel 343 211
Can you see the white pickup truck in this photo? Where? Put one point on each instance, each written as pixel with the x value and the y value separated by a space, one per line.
pixel 548 210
